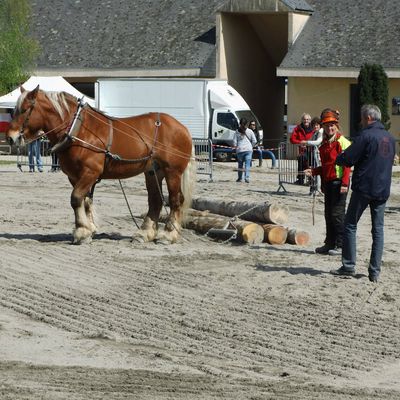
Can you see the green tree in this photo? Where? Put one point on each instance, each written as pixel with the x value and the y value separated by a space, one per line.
pixel 18 51
pixel 373 88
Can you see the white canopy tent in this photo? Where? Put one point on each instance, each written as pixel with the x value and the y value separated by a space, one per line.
pixel 48 83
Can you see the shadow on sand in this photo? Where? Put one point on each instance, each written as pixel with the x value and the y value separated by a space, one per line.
pixel 60 237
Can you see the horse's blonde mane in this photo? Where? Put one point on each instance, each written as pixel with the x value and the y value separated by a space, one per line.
pixel 57 99
pixel 20 100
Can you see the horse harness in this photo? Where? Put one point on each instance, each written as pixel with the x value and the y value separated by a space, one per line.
pixel 73 130
pixel 71 135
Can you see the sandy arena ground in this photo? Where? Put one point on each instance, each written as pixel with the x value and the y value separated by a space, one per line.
pixel 194 320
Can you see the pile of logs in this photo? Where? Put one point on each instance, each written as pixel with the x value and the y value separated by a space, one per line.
pixel 252 223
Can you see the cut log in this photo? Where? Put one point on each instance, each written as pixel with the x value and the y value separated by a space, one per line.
pixel 258 212
pixel 203 221
pixel 252 233
pixel 300 238
pixel 275 234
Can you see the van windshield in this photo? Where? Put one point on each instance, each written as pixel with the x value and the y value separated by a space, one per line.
pixel 248 114
pixel 227 120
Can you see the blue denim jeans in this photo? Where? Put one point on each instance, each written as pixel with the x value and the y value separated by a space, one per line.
pixel 34 152
pixel 358 203
pixel 244 158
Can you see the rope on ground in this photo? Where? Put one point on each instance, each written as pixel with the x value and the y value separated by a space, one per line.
pixel 127 203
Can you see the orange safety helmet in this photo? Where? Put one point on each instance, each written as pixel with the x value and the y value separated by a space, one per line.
pixel 329 115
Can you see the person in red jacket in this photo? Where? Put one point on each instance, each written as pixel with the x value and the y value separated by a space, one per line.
pixel 335 182
pixel 301 133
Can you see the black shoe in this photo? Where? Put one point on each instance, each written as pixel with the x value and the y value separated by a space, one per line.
pixel 238 180
pixel 323 249
pixel 342 272
pixel 373 279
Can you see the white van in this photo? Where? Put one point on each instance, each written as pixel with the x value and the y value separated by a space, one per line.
pixel 208 108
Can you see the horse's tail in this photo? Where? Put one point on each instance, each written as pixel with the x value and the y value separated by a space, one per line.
pixel 188 181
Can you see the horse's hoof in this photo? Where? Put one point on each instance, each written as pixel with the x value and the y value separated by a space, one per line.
pixel 93 228
pixel 87 240
pixel 163 241
pixel 143 236
pixel 82 236
pixel 166 237
pixel 138 239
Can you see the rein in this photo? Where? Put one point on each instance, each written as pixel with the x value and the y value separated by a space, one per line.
pixel 26 120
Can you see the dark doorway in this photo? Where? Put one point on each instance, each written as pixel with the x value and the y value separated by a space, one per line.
pixel 255 45
pixel 87 88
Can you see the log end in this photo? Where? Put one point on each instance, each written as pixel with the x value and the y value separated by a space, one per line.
pixel 253 234
pixel 277 214
pixel 275 234
pixel 299 238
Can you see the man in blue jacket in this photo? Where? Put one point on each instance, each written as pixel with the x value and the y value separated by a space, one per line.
pixel 372 153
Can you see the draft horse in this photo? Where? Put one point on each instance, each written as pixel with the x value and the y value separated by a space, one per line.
pixel 93 146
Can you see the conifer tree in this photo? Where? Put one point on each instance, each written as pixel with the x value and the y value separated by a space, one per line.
pixel 373 88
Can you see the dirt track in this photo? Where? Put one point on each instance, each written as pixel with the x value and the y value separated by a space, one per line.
pixel 195 320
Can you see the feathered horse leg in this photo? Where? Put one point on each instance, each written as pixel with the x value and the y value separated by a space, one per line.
pixel 149 228
pixel 82 205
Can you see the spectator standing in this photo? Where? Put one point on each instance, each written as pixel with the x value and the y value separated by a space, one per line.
pixel 301 133
pixel 34 149
pixel 317 134
pixel 258 146
pixel 315 142
pixel 54 162
pixel 371 153
pixel 335 182
pixel 244 141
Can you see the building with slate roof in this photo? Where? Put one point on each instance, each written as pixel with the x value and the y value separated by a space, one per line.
pixel 83 40
pixel 305 53
pixel 323 64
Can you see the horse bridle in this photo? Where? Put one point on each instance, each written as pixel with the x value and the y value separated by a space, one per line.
pixel 26 120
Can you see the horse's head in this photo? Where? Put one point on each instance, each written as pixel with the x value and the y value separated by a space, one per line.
pixel 27 120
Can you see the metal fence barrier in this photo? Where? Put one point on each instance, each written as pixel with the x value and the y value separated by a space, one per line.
pixel 5 148
pixel 45 157
pixel 225 153
pixel 293 160
pixel 203 154
pixel 204 157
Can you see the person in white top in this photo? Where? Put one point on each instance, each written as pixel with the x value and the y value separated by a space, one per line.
pixel 315 161
pixel 244 141
pixel 317 136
